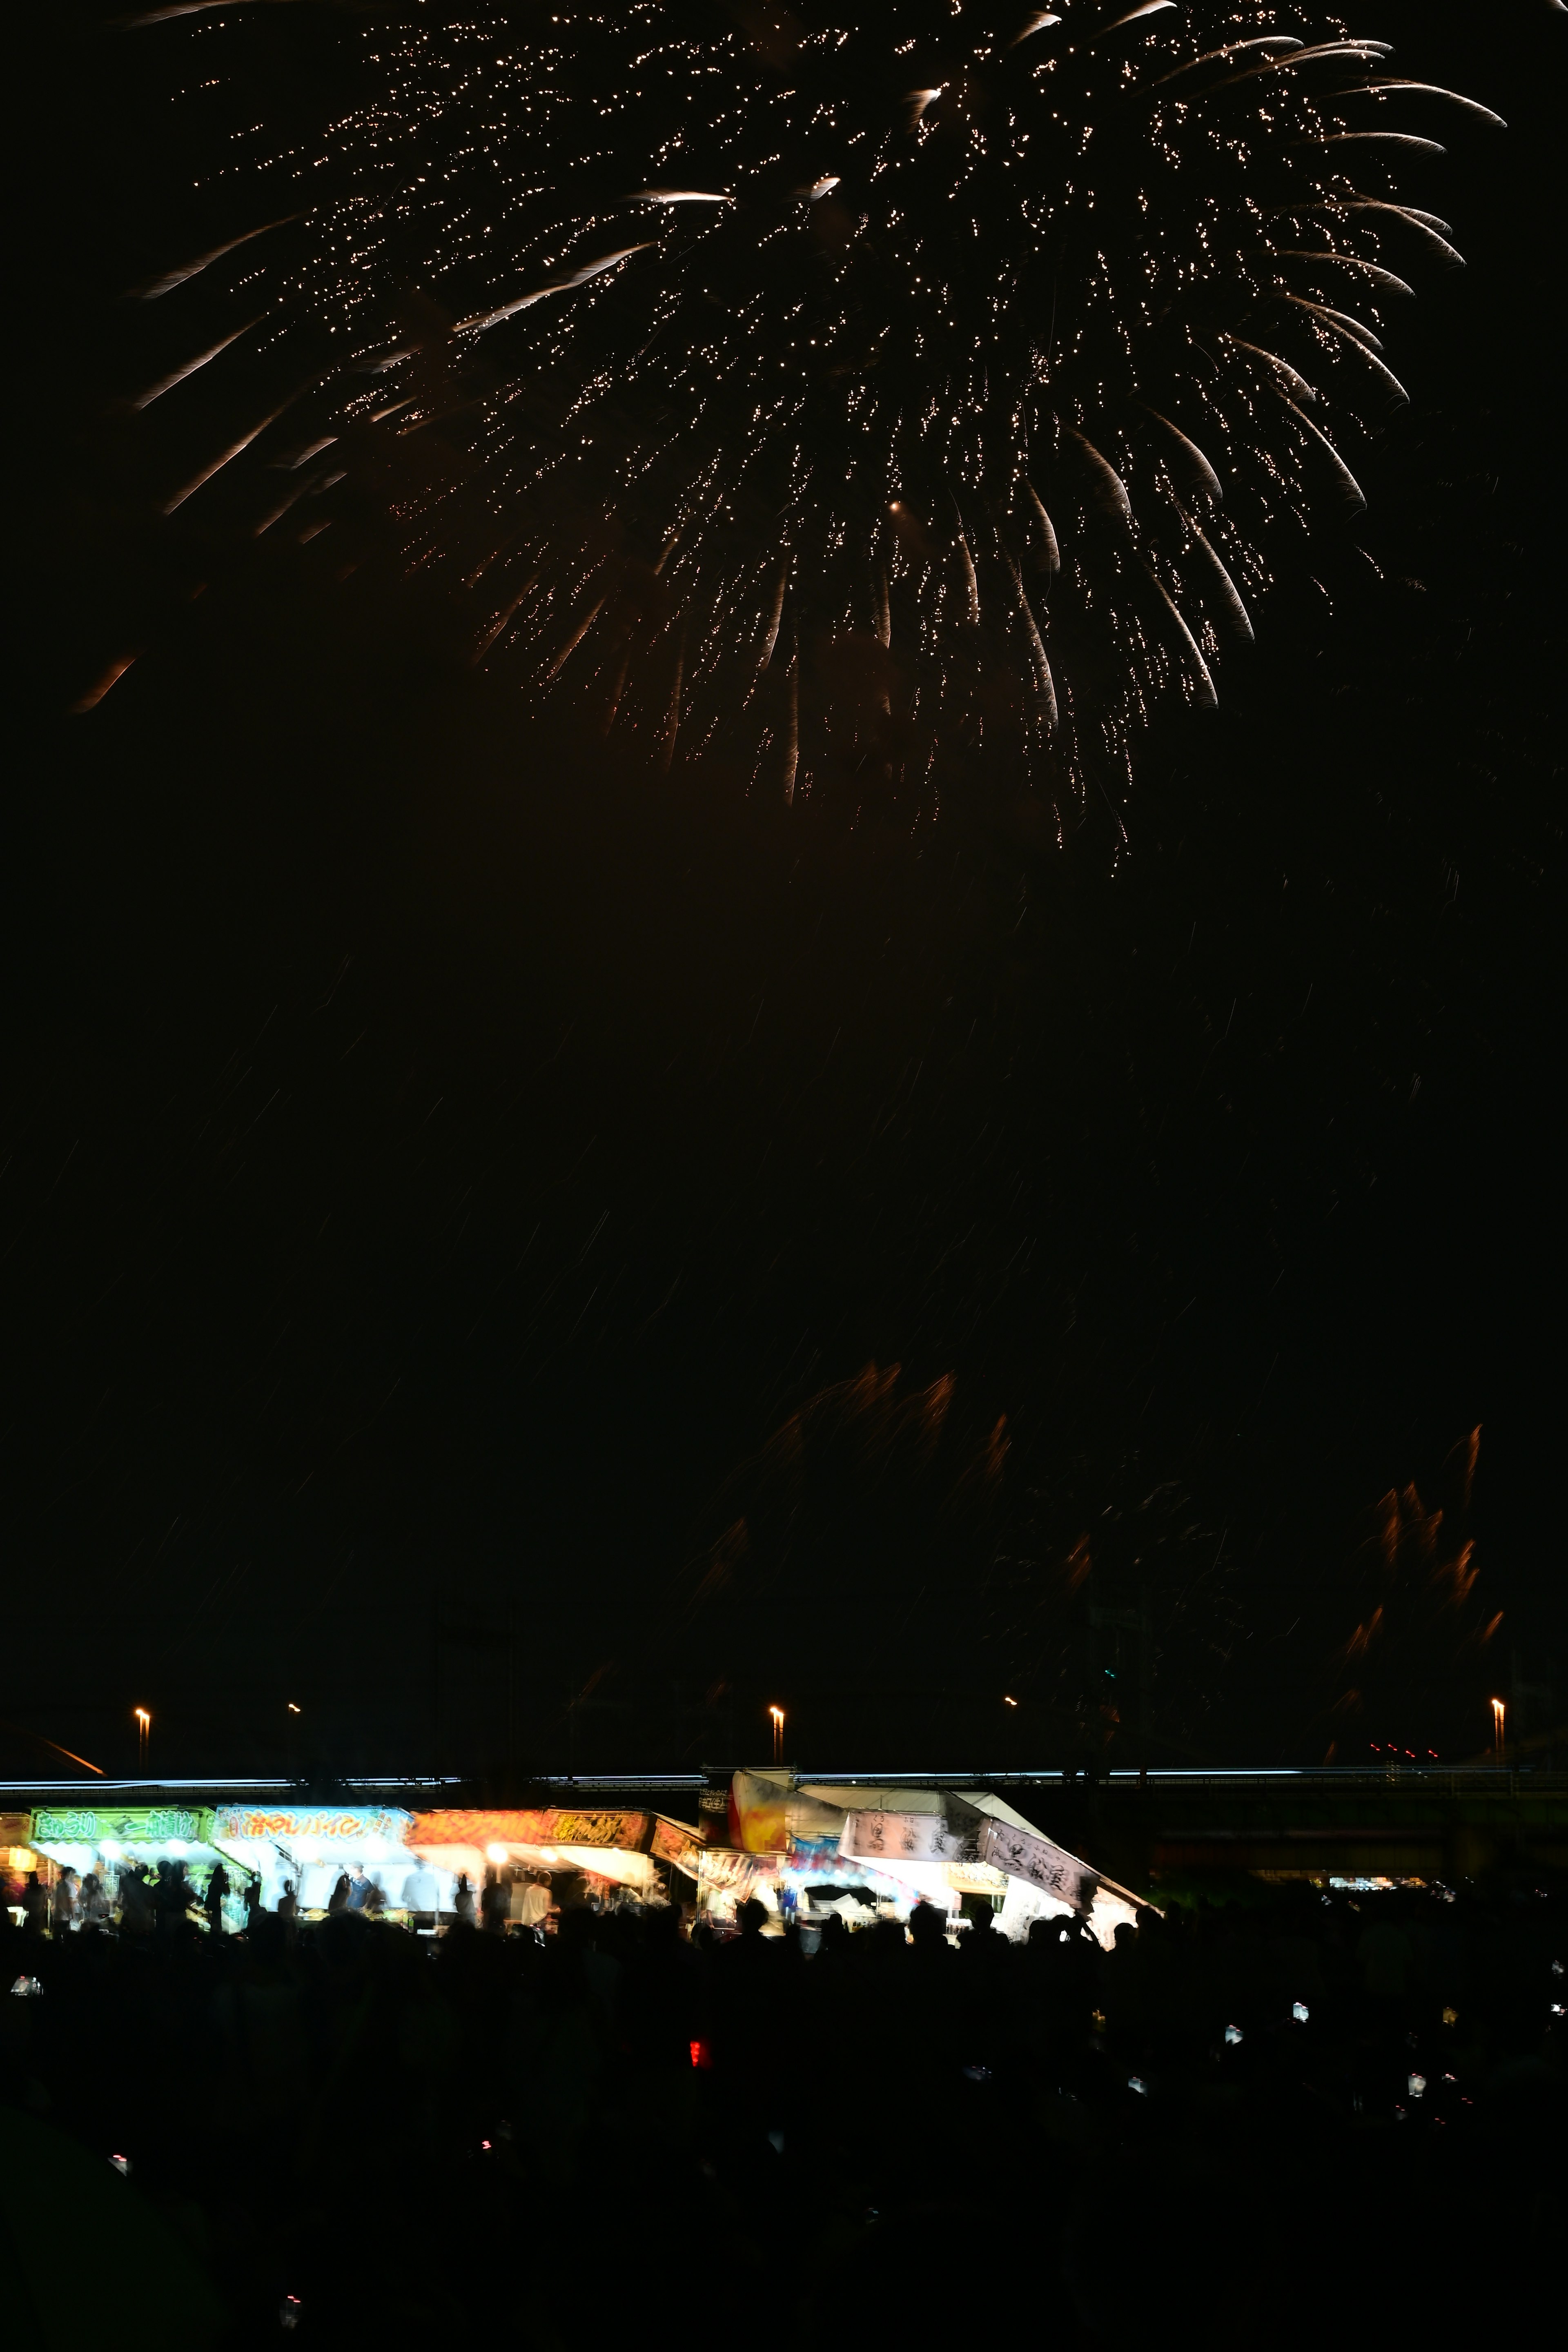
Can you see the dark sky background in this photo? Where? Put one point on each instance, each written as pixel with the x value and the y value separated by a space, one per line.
pixel 454 1193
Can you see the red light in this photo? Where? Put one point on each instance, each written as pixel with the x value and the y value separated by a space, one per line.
pixel 700 2054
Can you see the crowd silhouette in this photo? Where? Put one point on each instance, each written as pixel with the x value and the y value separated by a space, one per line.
pixel 1287 2116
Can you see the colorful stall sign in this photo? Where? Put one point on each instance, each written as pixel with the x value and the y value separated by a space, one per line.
pixel 550 1825
pixel 348 1826
pixel 769 1815
pixel 128 1825
pixel 673 1841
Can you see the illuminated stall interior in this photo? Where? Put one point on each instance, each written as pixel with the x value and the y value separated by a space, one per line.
pixel 809 1850
pixel 581 1852
pixel 18 1858
pixel 312 1846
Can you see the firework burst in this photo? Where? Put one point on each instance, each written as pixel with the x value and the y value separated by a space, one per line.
pixel 825 390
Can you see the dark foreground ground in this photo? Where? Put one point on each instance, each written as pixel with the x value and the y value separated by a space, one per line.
pixel 622 2133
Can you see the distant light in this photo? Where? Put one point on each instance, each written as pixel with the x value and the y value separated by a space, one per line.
pixel 1233 2034
pixel 1416 2084
pixel 121 2163
pixel 1450 2016
pixel 112 1850
pixel 143 1718
pixel 1300 2011
pixel 1008 1702
pixel 292 1709
pixel 178 1847
pixel 498 1854
pixel 1136 2082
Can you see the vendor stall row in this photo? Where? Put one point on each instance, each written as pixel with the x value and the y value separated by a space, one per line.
pixel 805 1853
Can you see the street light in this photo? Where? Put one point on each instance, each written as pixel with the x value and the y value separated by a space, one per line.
pixel 777 1713
pixel 143 1728
pixel 1498 1712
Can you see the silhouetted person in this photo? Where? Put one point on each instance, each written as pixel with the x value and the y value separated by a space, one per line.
pixel 463 1902
pixel 212 1901
pixel 135 1900
pixel 64 1905
pixel 169 1899
pixel 928 1936
pixel 35 1903
pixel 289 1911
pixel 338 1900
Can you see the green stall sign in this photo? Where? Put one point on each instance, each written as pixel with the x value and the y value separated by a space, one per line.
pixel 125 1825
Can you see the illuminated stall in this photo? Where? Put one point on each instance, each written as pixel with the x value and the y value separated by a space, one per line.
pixel 108 1839
pixel 812 1848
pixel 312 1846
pixel 608 1846
pixel 18 1858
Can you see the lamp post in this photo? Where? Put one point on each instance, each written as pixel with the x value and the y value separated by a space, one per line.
pixel 777 1713
pixel 1499 1713
pixel 143 1730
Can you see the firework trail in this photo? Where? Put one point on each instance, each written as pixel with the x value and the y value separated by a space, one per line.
pixel 818 389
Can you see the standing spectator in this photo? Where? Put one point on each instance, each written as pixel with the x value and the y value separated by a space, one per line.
pixel 533 1903
pixel 212 1901
pixel 170 1898
pixel 135 1901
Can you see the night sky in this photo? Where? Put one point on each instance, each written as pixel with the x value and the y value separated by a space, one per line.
pixel 533 1263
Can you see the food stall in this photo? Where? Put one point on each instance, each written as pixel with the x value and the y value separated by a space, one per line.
pixel 107 1840
pixel 312 1847
pixel 807 1849
pixel 606 1847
